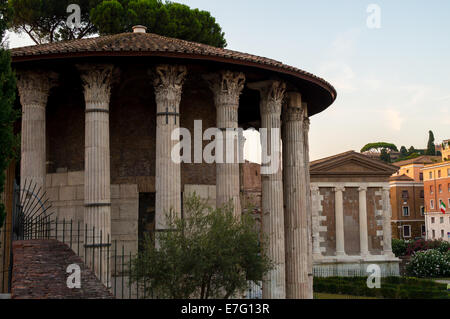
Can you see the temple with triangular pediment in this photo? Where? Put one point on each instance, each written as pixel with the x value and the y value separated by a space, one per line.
pixel 351 215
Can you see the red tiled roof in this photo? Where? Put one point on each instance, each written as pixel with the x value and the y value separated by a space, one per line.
pixel 149 44
pixel 424 159
pixel 403 178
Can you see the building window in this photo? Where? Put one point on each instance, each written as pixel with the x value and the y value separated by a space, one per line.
pixel 441 220
pixel 431 204
pixel 405 194
pixel 406 231
pixel 442 233
pixel 405 211
pixel 423 230
pixel 432 220
pixel 431 189
pixel 440 188
pixel 439 173
pixel 448 171
pixel 431 175
pixel 407 171
pixel 448 186
pixel 422 193
pixel 421 176
pixel 422 210
pixel 434 234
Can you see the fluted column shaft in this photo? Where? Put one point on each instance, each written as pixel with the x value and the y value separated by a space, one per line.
pixel 387 230
pixel 97 182
pixel 168 89
pixel 306 124
pixel 363 234
pixel 339 210
pixel 295 211
pixel 227 87
pixel 272 94
pixel 34 88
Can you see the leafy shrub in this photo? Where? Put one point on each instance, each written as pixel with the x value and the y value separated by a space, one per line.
pixel 391 287
pixel 444 247
pixel 430 263
pixel 399 247
pixel 422 245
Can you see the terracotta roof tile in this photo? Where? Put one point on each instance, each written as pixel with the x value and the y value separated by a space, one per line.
pixel 149 42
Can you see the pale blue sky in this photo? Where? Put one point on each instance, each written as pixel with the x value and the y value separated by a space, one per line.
pixel 393 83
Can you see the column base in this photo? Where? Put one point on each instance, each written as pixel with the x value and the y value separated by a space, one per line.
pixel 389 254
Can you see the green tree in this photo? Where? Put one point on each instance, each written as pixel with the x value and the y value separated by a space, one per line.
pixel 385 156
pixel 164 18
pixel 7 97
pixel 431 148
pixel 207 254
pixel 403 151
pixel 378 147
pixel 45 21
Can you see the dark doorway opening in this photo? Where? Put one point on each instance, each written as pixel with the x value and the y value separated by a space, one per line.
pixel 146 225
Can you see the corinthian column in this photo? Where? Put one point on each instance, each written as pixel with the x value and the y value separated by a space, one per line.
pixel 272 94
pixel 387 230
pixel 339 211
pixel 363 235
pixel 227 87
pixel 168 88
pixel 306 124
pixel 97 189
pixel 34 88
pixel 295 211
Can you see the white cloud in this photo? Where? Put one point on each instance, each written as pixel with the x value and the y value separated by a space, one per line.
pixel 345 42
pixel 394 119
pixel 445 115
pixel 340 74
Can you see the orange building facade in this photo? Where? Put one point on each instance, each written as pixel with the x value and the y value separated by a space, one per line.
pixel 445 150
pixel 408 198
pixel 408 211
pixel 437 190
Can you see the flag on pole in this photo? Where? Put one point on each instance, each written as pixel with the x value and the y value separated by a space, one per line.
pixel 443 207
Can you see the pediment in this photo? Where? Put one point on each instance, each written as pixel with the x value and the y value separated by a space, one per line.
pixel 351 163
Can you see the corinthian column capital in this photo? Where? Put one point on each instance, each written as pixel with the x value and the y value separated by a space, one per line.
pixel 272 95
pixel 294 109
pixel 168 83
pixel 306 122
pixel 227 86
pixel 34 86
pixel 97 79
pixel 362 189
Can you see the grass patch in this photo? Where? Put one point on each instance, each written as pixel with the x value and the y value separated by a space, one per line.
pixel 337 296
pixel 391 288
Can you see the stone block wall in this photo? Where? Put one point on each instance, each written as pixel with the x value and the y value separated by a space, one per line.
pixel 351 221
pixel 327 226
pixel 375 220
pixel 325 216
pixel 66 193
pixel 205 192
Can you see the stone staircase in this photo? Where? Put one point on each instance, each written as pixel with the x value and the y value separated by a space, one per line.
pixel 39 272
